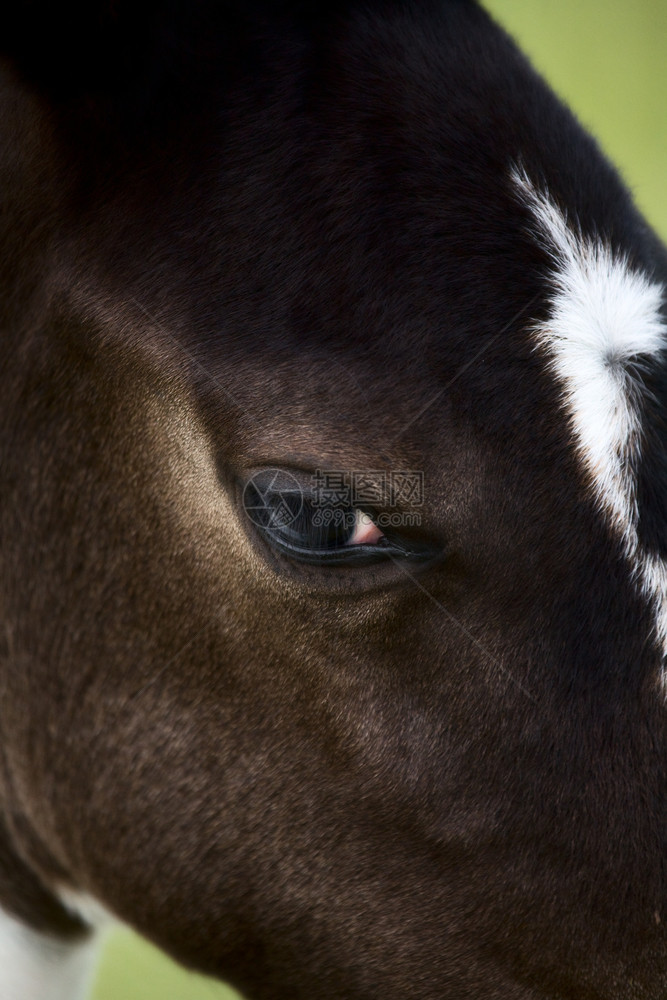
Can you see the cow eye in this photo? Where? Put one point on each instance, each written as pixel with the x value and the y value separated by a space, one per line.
pixel 307 530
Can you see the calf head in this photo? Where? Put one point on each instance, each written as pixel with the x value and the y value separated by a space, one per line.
pixel 333 508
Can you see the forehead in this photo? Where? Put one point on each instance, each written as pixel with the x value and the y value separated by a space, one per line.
pixel 350 182
pixel 338 203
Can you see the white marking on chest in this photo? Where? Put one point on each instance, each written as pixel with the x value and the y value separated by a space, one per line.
pixel 35 966
pixel 604 318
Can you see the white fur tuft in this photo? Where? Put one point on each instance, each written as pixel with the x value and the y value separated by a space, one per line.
pixel 605 320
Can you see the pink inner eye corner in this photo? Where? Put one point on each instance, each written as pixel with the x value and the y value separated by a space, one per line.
pixel 365 531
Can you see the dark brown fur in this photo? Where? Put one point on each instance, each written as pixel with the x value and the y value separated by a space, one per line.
pixel 272 242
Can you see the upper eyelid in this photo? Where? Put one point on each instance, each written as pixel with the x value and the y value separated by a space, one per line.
pixel 308 476
pixel 307 494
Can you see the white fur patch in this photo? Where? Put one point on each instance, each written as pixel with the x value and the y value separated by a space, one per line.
pixel 35 966
pixel 605 318
pixel 86 908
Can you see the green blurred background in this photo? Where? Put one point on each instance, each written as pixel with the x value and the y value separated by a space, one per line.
pixel 608 60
